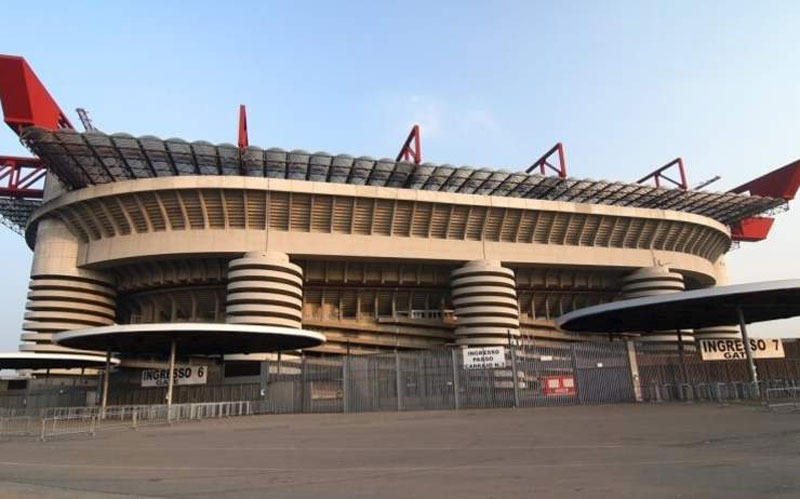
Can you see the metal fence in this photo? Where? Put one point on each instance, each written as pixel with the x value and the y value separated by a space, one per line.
pixel 529 375
pixel 532 376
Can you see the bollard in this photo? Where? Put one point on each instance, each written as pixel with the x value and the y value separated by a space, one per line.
pixel 41 437
pixel 133 418
pixel 92 425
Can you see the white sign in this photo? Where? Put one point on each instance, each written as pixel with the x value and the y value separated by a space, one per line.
pixel 760 348
pixel 183 375
pixel 484 358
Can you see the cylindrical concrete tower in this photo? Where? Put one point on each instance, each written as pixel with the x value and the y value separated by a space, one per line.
pixel 485 301
pixel 265 289
pixel 653 281
pixel 62 296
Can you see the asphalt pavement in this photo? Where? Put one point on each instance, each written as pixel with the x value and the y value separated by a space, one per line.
pixel 614 451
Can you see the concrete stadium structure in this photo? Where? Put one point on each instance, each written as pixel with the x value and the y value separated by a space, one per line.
pixel 377 255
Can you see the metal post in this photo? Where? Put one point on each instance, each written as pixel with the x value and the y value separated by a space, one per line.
pixel 302 382
pixel 456 388
pixel 398 386
pixel 681 359
pixel 345 380
pixel 170 377
pixel 751 366
pixel 633 364
pixel 514 372
pixel 106 374
pixel 264 377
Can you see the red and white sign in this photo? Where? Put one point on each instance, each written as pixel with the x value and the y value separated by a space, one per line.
pixel 559 385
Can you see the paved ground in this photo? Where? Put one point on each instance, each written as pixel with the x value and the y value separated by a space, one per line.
pixel 649 451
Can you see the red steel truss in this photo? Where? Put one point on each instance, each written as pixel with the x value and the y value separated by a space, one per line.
pixel 412 147
pixel 19 177
pixel 543 164
pixel 658 175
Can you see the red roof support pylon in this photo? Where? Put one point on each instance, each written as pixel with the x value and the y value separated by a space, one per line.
pixel 658 175
pixel 243 139
pixel 26 102
pixel 412 147
pixel 543 164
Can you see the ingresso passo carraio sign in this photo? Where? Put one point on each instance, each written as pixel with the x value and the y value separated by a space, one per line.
pixel 760 348
pixel 183 375
pixel 484 358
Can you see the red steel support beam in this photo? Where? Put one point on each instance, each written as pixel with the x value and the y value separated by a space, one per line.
pixel 243 140
pixel 26 102
pixel 19 176
pixel 543 164
pixel 752 229
pixel 412 147
pixel 658 175
pixel 780 183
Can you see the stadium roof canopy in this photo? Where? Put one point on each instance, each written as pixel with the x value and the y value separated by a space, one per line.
pixel 83 159
pixel 718 306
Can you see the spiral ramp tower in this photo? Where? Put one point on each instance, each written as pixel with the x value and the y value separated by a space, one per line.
pixel 718 333
pixel 62 296
pixel 265 289
pixel 485 302
pixel 656 281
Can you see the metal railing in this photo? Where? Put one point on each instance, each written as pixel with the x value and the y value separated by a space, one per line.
pixel 782 398
pixel 91 420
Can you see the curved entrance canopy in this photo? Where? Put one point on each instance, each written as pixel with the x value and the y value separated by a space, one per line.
pixel 30 360
pixel 190 338
pixel 719 306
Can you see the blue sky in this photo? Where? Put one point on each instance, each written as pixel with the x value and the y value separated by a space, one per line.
pixel 626 86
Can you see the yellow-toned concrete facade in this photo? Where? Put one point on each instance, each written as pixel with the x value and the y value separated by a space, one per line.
pixel 373 268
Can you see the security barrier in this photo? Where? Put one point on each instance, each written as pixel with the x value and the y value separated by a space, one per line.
pixel 90 420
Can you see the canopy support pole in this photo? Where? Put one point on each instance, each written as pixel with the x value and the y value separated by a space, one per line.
pixel 751 365
pixel 170 376
pixel 106 373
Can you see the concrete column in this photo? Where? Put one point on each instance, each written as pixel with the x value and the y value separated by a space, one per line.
pixel 485 301
pixel 62 296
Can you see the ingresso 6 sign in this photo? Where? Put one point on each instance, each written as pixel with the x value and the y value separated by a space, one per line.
pixel 760 348
pixel 183 375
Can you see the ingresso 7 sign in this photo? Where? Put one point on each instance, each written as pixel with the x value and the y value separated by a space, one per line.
pixel 760 348
pixel 183 375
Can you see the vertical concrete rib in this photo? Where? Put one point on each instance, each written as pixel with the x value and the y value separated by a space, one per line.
pixel 485 301
pixel 264 288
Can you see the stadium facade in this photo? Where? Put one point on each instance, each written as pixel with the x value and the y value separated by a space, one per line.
pixel 378 255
